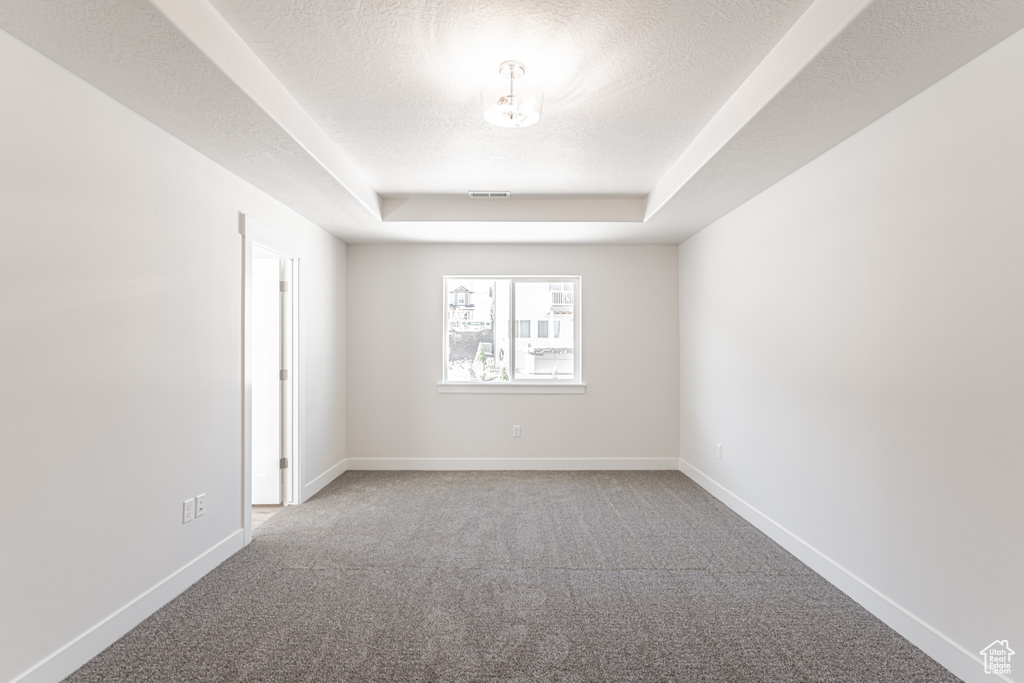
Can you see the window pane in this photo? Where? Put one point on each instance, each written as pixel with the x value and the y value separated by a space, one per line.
pixel 549 303
pixel 489 341
pixel 473 309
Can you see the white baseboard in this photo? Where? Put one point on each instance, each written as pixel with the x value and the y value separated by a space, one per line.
pixel 322 480
pixel 70 657
pixel 958 660
pixel 589 464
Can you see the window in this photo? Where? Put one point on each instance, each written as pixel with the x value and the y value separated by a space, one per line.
pixel 491 340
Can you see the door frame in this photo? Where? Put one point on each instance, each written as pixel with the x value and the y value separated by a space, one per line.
pixel 254 231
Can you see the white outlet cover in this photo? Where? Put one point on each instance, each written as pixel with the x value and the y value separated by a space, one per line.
pixel 516 431
pixel 188 510
pixel 200 505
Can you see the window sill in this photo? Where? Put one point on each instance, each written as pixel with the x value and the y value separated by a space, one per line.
pixel 509 388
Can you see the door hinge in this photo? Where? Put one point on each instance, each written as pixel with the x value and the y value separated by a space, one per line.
pixel 283 463
pixel 284 374
pixel 284 286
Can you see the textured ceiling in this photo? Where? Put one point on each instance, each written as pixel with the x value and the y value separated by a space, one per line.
pixel 626 84
pixel 639 99
pixel 127 49
pixel 862 75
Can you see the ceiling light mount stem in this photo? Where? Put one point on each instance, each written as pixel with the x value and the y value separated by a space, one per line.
pixel 511 110
pixel 513 70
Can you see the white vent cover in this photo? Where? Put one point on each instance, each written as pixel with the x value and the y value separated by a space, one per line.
pixel 489 194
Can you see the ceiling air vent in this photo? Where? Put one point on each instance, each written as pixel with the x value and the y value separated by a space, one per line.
pixel 489 194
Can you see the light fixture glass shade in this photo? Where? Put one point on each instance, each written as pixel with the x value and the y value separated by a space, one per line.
pixel 510 103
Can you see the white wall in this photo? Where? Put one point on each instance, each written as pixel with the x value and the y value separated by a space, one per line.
pixel 627 418
pixel 854 337
pixel 120 353
pixel 324 371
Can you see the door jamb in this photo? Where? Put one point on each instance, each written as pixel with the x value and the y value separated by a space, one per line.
pixel 253 231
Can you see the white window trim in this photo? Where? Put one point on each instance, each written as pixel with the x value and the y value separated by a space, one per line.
pixel 576 385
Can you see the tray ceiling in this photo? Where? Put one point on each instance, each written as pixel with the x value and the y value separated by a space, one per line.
pixel 659 117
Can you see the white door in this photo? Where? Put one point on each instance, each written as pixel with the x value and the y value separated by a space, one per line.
pixel 266 381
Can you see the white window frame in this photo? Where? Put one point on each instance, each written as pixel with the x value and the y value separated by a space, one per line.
pixel 575 385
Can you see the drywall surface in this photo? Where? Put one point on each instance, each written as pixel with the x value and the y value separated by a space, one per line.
pixel 120 352
pixel 853 338
pixel 628 416
pixel 323 393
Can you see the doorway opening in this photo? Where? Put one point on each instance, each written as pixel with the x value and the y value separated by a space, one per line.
pixel 272 457
pixel 271 336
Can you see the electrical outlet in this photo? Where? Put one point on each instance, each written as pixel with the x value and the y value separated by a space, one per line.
pixel 718 451
pixel 516 431
pixel 200 505
pixel 188 511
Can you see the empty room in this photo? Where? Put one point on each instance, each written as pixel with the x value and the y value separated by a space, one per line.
pixel 495 341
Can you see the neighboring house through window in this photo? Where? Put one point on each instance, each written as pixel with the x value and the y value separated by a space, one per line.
pixel 512 329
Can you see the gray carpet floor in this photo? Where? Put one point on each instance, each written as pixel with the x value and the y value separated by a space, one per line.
pixel 511 576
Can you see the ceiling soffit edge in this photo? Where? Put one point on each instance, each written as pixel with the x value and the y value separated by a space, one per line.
pixel 525 210
pixel 201 24
pixel 819 26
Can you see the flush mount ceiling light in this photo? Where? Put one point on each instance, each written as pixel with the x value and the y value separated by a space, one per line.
pixel 517 108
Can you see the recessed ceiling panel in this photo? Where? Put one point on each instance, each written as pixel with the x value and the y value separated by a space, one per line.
pixel 627 84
